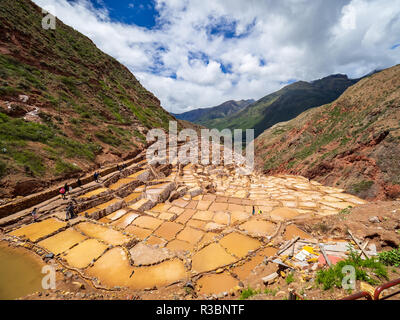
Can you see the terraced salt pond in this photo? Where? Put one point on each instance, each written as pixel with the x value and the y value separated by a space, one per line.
pixel 138 240
pixel 20 273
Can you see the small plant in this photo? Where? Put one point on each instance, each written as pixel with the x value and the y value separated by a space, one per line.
pixel 345 211
pixel 290 278
pixel 271 292
pixel 333 276
pixel 390 258
pixel 249 292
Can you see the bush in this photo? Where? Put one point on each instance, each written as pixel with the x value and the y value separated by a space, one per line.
pixel 249 292
pixel 333 276
pixel 390 258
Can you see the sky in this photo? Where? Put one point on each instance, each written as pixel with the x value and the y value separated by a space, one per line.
pixel 196 54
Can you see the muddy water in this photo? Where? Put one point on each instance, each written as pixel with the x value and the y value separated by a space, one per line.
pixel 113 269
pixel 238 244
pixel 20 274
pixel 216 283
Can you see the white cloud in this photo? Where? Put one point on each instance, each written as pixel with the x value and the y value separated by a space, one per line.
pixel 274 41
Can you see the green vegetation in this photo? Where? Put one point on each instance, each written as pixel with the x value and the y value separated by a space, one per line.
pixel 284 105
pixel 271 292
pixel 290 278
pixel 345 211
pixel 390 258
pixel 362 186
pixel 85 96
pixel 63 167
pixel 333 276
pixel 31 162
pixel 249 292
pixel 16 134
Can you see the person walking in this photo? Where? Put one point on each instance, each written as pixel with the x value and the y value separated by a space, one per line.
pixel 70 211
pixel 34 214
pixel 62 192
pixel 254 210
pixel 66 187
pixel 96 177
pixel 79 183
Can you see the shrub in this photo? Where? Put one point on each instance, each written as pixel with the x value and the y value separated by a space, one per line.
pixel 333 276
pixel 390 258
pixel 249 292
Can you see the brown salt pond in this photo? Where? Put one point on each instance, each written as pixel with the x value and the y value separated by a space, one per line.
pixel 238 244
pixel 216 283
pixel 258 227
pixel 282 214
pixel 211 257
pixel 20 273
pixel 113 269
pixel 292 231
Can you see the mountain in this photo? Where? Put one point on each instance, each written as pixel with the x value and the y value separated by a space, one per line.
pixel 65 106
pixel 209 116
pixel 352 143
pixel 286 104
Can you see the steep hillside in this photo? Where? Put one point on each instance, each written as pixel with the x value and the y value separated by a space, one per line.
pixel 352 143
pixel 209 117
pixel 65 106
pixel 286 104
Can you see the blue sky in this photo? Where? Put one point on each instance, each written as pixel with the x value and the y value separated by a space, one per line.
pixel 195 53
pixel 142 13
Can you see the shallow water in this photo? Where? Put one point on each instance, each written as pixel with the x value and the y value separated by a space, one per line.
pixel 20 274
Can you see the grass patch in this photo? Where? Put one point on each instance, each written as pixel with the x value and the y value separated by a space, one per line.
pixel 63 167
pixel 271 292
pixel 249 292
pixel 108 138
pixel 362 186
pixel 290 278
pixel 390 258
pixel 29 160
pixel 333 276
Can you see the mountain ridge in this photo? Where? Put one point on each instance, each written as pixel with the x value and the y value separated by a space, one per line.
pixel 287 103
pixel 351 143
pixel 205 116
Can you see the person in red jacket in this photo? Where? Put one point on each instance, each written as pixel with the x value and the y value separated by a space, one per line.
pixel 62 192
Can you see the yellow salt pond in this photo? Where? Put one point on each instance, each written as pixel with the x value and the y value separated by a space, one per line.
pixel 238 244
pixel 36 231
pixel 216 283
pixel 62 241
pixel 210 258
pixel 113 269
pixel 292 231
pixel 258 227
pixel 108 235
pixel 93 193
pixel 82 255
